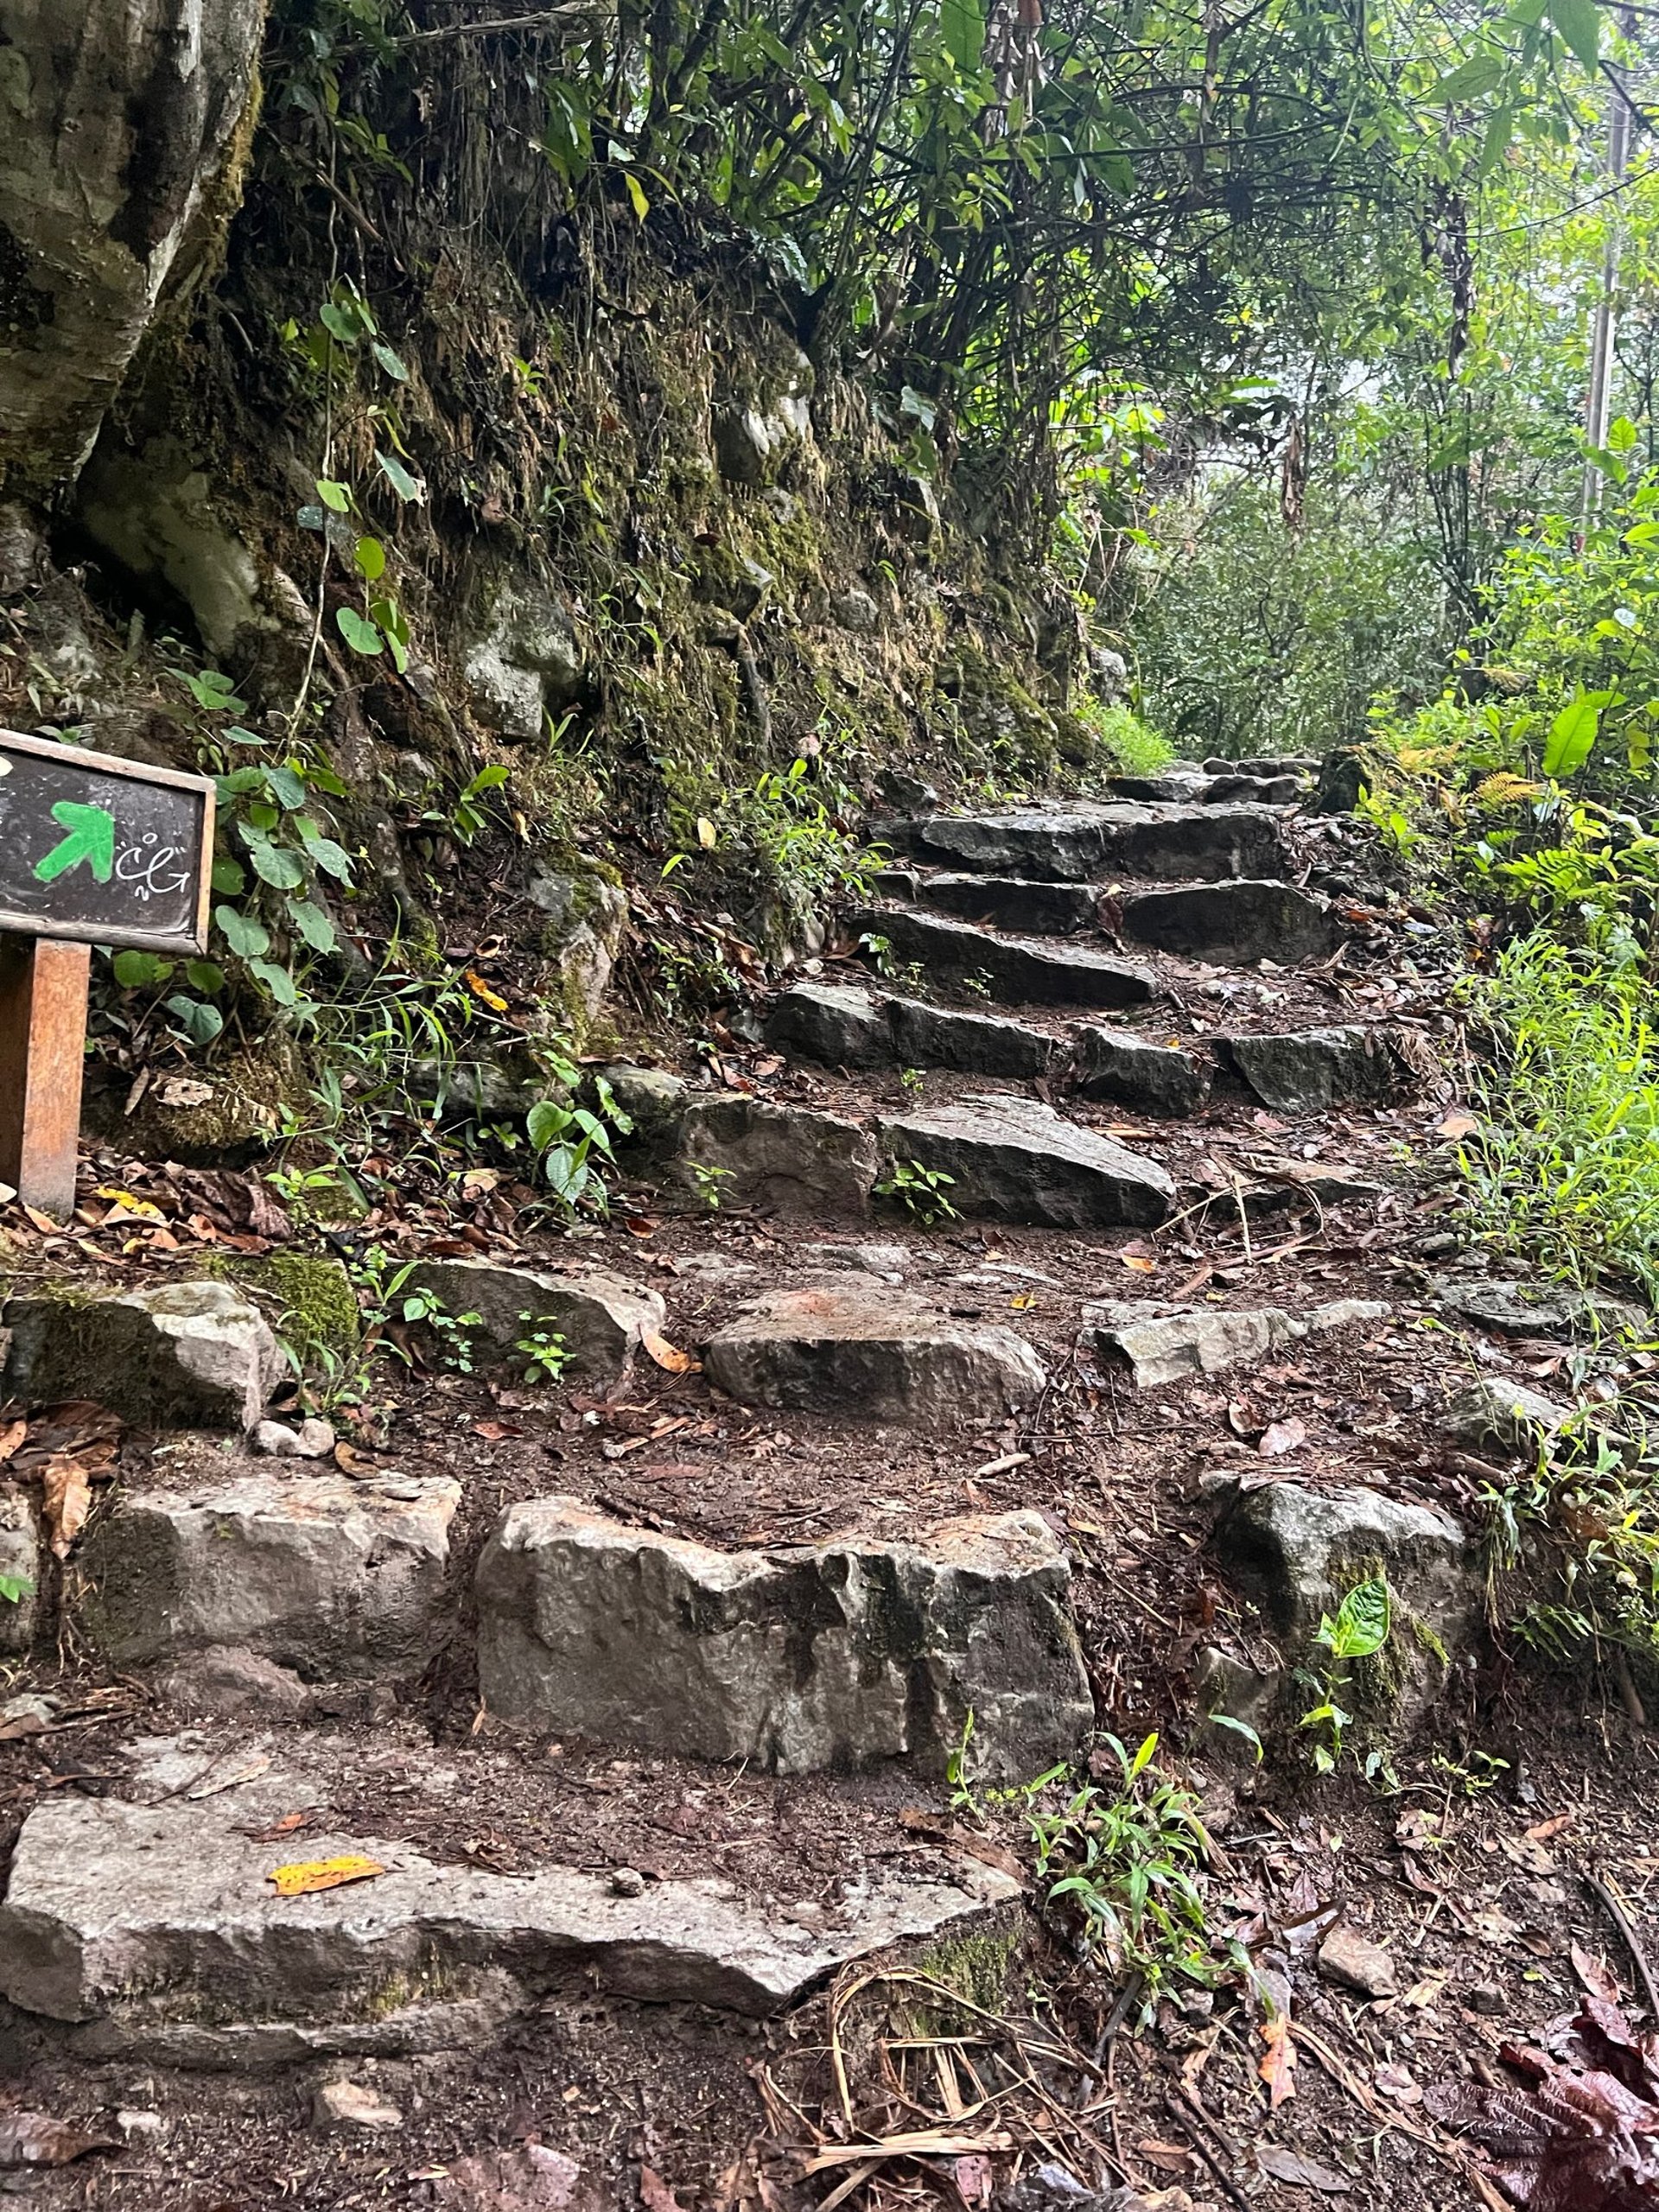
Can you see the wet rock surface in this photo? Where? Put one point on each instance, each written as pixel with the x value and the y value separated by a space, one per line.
pixel 1018 1160
pixel 1303 1071
pixel 1013 970
pixel 780 1156
pixel 1239 923
pixel 1131 1071
pixel 601 1317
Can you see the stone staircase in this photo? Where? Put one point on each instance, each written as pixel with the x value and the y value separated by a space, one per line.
pixel 282 1613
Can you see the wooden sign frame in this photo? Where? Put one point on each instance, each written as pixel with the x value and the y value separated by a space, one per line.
pixel 106 764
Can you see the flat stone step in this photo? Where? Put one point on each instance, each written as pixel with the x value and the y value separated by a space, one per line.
pixel 1009 902
pixel 602 1317
pixel 742 1151
pixel 868 1352
pixel 1015 1159
pixel 971 1044
pixel 158 1923
pixel 1078 842
pixel 846 1654
pixel 1013 970
pixel 1117 1066
pixel 1304 1070
pixel 1269 764
pixel 186 1355
pixel 1195 786
pixel 1161 1344
pixel 1233 923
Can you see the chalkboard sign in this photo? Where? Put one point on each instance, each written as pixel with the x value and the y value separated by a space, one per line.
pixel 107 851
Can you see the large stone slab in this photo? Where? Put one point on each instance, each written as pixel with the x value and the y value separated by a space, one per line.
pixel 1014 970
pixel 1173 1344
pixel 1304 1070
pixel 1539 1308
pixel 159 1922
pixel 1131 1071
pixel 848 1654
pixel 868 1352
pixel 783 1157
pixel 835 1024
pixel 332 1577
pixel 190 1354
pixel 1009 903
pixel 1017 1160
pixel 1079 842
pixel 973 1044
pixel 601 1316
pixel 1060 844
pixel 1235 922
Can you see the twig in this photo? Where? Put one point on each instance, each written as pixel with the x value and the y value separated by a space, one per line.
pixel 1187 2115
pixel 1630 1696
pixel 1621 1919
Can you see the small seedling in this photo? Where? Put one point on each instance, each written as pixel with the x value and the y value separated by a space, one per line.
pixel 920 1190
pixel 1359 1631
pixel 14 1588
pixel 707 1181
pixel 546 1353
pixel 911 1078
pixel 880 952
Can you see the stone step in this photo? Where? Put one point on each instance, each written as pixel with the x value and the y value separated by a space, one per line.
pixel 844 1655
pixel 840 1025
pixel 188 1355
pixel 1276 764
pixel 1232 924
pixel 1157 1344
pixel 601 1317
pixel 1080 842
pixel 1188 785
pixel 871 1353
pixel 1306 1071
pixel 296 1562
pixel 1008 902
pixel 1013 970
pixel 1124 1070
pixel 158 1926
pixel 1014 1159
pixel 744 1151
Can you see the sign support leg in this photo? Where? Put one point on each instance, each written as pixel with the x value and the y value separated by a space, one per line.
pixel 43 984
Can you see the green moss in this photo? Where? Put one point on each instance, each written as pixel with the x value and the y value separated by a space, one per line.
pixel 974 1967
pixel 319 1315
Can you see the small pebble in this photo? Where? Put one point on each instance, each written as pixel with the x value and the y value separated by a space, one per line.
pixel 627 1882
pixel 1487 1997
pixel 345 2104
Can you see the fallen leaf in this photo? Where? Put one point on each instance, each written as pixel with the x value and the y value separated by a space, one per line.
pixel 1172 2157
pixel 654 2192
pixel 1281 1436
pixel 306 1876
pixel 1394 2081
pixel 1132 1261
pixel 350 1461
pixel 10 1437
pixel 1527 1852
pixel 33 2138
pixel 639 1224
pixel 1278 2066
pixel 67 1500
pixel 277 1830
pixel 1595 1974
pixel 1458 1125
pixel 1301 2173
pixel 1542 1831
pixel 480 988
pixel 43 1222
pixel 974 2175
pixel 493 1431
pixel 667 1355
pixel 1423 1995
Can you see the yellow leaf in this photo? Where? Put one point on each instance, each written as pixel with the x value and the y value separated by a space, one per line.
pixel 1139 1266
pixel 482 990
pixel 128 1208
pixel 306 1875
pixel 637 194
pixel 668 1355
pixel 705 833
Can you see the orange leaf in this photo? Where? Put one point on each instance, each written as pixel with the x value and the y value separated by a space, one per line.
pixel 67 1500
pixel 482 990
pixel 307 1875
pixel 666 1354
pixel 1141 1267
pixel 1277 2067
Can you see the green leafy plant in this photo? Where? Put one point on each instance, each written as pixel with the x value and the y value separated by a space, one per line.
pixel 14 1588
pixel 911 1079
pixel 706 1182
pixel 1361 1628
pixel 1123 1869
pixel 572 1146
pixel 546 1353
pixel 920 1190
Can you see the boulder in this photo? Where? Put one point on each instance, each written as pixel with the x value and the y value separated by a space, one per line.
pixel 1298 1552
pixel 1017 1160
pixel 1016 970
pixel 1039 909
pixel 783 1157
pixel 1493 1411
pixel 1130 1071
pixel 117 173
pixel 203 1954
pixel 1234 923
pixel 190 1354
pixel 324 1574
pixel 230 1683
pixel 1304 1070
pixel 654 1101
pixel 844 1655
pixel 586 914
pixel 1060 844
pixel 925 1036
pixel 521 659
pixel 1171 1344
pixel 835 1024
pixel 868 1352
pixel 601 1316
pixel 20 1571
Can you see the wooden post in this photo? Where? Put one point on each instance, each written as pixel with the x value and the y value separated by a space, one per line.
pixel 42 1050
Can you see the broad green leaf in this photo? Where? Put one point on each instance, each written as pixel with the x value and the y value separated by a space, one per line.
pixel 204 975
pixel 405 485
pixel 371 557
pixel 1572 737
pixel 1469 81
pixel 200 1023
pixel 230 877
pixel 276 981
pixel 963 22
pixel 313 924
pixel 134 971
pixel 360 633
pixel 1362 1621
pixel 637 194
pixel 284 870
pixel 246 937
pixel 337 496
pixel 1579 22
pixel 391 362
pixel 288 785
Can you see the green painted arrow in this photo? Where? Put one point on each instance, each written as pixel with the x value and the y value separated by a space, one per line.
pixel 92 839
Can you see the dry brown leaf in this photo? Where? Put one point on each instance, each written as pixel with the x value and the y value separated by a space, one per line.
pixel 67 1500
pixel 1279 2065
pixel 1542 1831
pixel 1170 2158
pixel 306 1876
pixel 33 2139
pixel 1301 2173
pixel 668 1356
pixel 1137 1265
pixel 10 1437
pixel 655 2194
pixel 1595 1974
pixel 1281 1436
